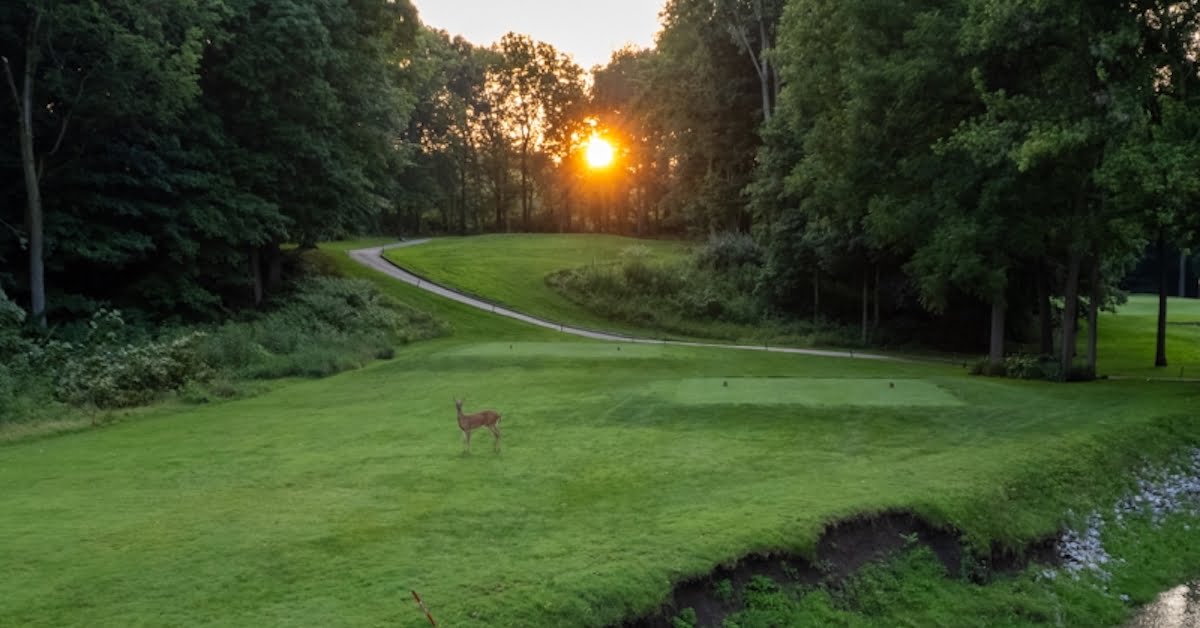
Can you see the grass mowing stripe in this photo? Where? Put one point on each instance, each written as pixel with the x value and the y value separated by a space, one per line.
pixel 841 391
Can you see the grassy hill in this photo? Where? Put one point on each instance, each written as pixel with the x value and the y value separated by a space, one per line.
pixel 624 469
pixel 511 269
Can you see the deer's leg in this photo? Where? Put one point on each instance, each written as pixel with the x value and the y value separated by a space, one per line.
pixel 468 434
pixel 496 433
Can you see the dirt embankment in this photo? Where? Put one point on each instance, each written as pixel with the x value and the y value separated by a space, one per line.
pixel 844 547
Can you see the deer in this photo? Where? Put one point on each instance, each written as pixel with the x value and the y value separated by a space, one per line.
pixel 470 422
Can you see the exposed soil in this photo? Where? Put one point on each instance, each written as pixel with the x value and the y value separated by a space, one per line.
pixel 844 547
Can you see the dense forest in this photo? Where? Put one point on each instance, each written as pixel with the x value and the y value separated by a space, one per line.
pixel 938 162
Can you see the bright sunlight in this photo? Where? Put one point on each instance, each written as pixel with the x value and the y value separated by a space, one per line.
pixel 599 152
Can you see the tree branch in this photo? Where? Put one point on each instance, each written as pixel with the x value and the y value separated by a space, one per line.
pixel 12 84
pixel 743 40
pixel 17 232
pixel 62 130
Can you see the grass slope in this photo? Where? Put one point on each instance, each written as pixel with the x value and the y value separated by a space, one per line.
pixel 511 269
pixel 323 502
pixel 1127 338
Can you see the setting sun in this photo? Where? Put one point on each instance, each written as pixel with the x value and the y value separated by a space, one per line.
pixel 599 152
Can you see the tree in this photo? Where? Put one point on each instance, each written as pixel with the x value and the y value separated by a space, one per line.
pixel 1155 170
pixel 1059 80
pixel 541 90
pixel 708 107
pixel 753 25
pixel 87 63
pixel 315 131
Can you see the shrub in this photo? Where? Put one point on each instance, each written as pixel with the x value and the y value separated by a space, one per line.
pixel 686 618
pixel 729 250
pixel 723 591
pixel 679 297
pixel 1023 366
pixel 985 367
pixel 328 325
pixel 12 317
pixel 129 375
pixel 8 391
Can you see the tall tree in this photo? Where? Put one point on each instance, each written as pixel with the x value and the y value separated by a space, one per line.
pixel 543 90
pixel 1059 80
pixel 753 24
pixel 86 63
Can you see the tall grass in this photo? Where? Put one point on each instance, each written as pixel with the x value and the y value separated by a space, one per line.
pixel 713 293
pixel 322 326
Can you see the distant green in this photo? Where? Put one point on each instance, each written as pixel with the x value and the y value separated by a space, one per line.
pixel 511 269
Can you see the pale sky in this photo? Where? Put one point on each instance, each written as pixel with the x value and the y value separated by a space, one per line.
pixel 588 30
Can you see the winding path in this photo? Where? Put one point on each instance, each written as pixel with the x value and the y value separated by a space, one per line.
pixel 373 258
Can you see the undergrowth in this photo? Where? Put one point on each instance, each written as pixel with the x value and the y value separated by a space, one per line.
pixel 713 293
pixel 321 326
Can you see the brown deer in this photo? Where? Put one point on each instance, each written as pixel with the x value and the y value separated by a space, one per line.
pixel 470 422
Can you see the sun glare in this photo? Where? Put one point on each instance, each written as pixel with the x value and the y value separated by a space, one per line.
pixel 599 153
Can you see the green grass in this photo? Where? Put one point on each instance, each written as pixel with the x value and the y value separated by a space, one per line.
pixel 1127 338
pixel 324 502
pixel 511 269
pixel 912 589
pixel 808 391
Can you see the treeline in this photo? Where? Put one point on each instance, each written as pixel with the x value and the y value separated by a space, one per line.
pixel 1012 153
pixel 1006 159
pixel 158 154
pixel 928 162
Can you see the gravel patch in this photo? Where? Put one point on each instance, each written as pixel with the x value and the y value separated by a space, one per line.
pixel 1159 493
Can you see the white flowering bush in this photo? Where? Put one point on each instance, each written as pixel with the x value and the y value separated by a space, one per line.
pixel 107 373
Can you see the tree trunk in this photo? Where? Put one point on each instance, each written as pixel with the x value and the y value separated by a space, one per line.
pixel 1070 315
pixel 274 267
pixel 765 82
pixel 816 295
pixel 524 192
pixel 256 274
pixel 1045 319
pixel 875 300
pixel 1160 345
pixel 499 196
pixel 462 199
pixel 996 344
pixel 1093 316
pixel 33 191
pixel 1182 274
pixel 764 69
pixel 865 303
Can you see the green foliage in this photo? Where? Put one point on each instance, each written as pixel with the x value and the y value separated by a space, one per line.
pixel 327 325
pixel 178 140
pixel 12 318
pixel 685 619
pixel 653 294
pixel 728 251
pixel 723 590
pixel 109 376
pixel 1024 366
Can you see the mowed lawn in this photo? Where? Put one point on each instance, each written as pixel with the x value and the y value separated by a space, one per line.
pixel 1127 338
pixel 323 503
pixel 511 269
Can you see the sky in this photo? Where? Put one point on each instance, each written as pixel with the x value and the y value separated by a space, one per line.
pixel 588 30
